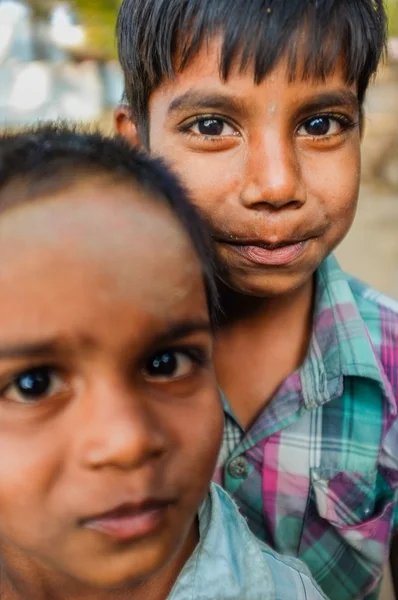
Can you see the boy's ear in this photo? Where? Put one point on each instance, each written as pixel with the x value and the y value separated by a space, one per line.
pixel 125 126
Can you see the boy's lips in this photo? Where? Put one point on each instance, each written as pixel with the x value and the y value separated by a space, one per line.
pixel 261 253
pixel 129 521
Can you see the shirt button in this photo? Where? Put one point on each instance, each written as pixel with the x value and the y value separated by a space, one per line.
pixel 238 468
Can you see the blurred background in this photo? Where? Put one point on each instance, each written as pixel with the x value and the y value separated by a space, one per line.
pixel 58 60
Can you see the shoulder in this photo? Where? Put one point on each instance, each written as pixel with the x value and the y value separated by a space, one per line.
pixel 291 579
pixel 379 316
pixel 374 305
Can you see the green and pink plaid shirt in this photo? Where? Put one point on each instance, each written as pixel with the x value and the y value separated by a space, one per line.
pixel 316 476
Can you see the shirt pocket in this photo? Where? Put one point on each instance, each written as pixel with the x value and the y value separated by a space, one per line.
pixel 348 502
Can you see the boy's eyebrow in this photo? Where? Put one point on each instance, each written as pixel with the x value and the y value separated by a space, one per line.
pixel 195 100
pixel 22 349
pixel 48 347
pixel 181 330
pixel 328 99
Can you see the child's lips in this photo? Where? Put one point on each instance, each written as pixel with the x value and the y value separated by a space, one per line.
pixel 279 256
pixel 128 522
pixel 272 255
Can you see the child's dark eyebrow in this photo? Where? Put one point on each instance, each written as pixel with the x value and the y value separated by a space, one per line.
pixel 52 347
pixel 195 100
pixel 180 330
pixel 30 349
pixel 339 98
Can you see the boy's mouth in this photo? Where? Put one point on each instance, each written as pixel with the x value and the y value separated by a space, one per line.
pixel 262 253
pixel 128 522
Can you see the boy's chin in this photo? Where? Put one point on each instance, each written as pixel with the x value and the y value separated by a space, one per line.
pixel 116 574
pixel 271 284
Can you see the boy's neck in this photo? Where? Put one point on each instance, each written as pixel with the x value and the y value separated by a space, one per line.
pixel 22 580
pixel 242 310
pixel 260 342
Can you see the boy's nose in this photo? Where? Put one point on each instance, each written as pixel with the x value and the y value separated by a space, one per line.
pixel 272 178
pixel 118 429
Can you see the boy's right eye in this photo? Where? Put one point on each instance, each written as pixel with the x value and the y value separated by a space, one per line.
pixel 210 127
pixel 34 384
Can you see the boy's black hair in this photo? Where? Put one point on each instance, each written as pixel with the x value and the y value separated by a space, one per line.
pixel 51 157
pixel 158 37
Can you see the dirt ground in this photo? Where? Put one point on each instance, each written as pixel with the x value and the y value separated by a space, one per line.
pixel 371 249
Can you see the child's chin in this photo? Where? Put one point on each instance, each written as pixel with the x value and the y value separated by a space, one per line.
pixel 269 285
pixel 121 572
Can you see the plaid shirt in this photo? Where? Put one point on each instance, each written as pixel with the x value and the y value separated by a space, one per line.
pixel 316 476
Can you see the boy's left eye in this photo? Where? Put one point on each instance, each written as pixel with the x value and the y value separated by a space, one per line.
pixel 321 126
pixel 169 365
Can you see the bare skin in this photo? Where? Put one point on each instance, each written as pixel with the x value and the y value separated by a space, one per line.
pixel 260 161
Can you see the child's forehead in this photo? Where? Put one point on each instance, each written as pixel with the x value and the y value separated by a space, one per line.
pixel 200 85
pixel 293 62
pixel 109 224
pixel 96 255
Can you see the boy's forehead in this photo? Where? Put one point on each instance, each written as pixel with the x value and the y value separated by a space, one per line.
pixel 136 242
pixel 201 85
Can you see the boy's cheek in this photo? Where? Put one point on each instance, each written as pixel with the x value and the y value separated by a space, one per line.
pixel 213 180
pixel 201 433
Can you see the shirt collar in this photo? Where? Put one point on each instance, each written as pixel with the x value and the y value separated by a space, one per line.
pixel 227 555
pixel 340 344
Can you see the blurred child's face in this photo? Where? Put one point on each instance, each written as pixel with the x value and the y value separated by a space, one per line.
pixel 274 167
pixel 109 415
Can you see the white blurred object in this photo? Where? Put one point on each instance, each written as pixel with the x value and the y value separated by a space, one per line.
pixel 15 34
pixel 79 96
pixel 31 87
pixel 64 30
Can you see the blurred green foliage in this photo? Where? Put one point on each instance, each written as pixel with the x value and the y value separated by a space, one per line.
pixel 392 8
pixel 99 19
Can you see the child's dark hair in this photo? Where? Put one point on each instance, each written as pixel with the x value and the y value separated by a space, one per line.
pixel 157 37
pixel 52 157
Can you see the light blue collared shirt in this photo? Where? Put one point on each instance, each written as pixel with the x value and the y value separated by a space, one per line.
pixel 229 563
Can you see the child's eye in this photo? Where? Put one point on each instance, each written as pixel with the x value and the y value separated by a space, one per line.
pixel 211 127
pixel 34 384
pixel 169 365
pixel 323 125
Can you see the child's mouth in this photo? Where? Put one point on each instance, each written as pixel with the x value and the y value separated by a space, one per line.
pixel 280 255
pixel 129 522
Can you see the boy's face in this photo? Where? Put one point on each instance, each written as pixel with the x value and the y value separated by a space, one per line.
pixel 109 415
pixel 274 167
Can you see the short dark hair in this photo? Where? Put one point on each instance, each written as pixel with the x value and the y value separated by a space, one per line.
pixel 313 34
pixel 51 157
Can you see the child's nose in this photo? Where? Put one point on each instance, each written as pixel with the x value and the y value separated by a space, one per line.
pixel 118 429
pixel 272 175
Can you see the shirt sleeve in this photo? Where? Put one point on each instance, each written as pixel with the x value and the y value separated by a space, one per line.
pixel 388 466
